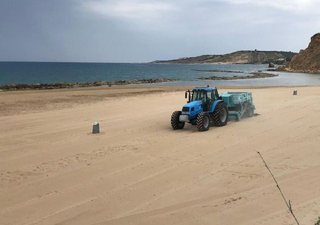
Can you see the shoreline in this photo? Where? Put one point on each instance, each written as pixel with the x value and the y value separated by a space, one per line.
pixel 288 70
pixel 68 85
pixel 255 75
pixel 162 88
pixel 22 102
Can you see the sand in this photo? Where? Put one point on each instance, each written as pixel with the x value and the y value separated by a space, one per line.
pixel 139 171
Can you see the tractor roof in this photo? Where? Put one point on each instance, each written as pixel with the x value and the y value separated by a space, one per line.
pixel 205 88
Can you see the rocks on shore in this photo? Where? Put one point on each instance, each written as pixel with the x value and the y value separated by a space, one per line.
pixel 255 75
pixel 63 85
pixel 290 70
pixel 220 71
pixel 271 65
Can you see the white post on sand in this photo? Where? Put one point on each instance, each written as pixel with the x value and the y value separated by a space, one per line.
pixel 95 129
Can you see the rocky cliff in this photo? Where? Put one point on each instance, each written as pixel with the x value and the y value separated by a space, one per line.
pixel 308 60
pixel 239 57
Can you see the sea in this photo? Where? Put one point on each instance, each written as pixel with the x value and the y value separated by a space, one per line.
pixel 53 72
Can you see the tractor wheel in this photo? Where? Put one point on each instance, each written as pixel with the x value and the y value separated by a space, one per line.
pixel 175 123
pixel 220 115
pixel 203 121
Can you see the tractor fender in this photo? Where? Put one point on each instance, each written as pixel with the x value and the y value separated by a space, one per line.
pixel 215 103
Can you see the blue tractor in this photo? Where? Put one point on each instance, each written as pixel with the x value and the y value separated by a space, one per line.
pixel 205 106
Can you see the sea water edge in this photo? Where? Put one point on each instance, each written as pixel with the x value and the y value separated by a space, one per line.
pixel 187 74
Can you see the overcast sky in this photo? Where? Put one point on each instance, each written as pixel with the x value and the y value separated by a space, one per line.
pixel 147 30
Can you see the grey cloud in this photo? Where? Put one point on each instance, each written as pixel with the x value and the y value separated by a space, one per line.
pixel 141 30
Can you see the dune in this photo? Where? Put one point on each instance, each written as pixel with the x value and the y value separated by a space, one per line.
pixel 53 170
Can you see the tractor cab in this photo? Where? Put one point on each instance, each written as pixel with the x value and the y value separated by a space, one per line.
pixel 206 95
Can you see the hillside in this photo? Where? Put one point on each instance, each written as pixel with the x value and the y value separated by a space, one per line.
pixel 239 57
pixel 308 60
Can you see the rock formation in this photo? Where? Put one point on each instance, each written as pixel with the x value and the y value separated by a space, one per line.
pixel 254 75
pixel 271 65
pixel 308 60
pixel 62 85
pixel 239 57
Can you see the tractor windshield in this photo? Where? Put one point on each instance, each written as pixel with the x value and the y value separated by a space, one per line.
pixel 198 95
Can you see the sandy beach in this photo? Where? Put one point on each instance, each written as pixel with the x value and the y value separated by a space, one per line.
pixel 53 170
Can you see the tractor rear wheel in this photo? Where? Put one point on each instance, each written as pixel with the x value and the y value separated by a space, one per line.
pixel 175 123
pixel 220 115
pixel 203 121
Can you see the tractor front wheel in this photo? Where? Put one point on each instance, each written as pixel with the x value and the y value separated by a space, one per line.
pixel 175 123
pixel 220 115
pixel 203 121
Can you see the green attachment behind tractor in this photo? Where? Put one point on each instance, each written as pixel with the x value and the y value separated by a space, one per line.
pixel 239 104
